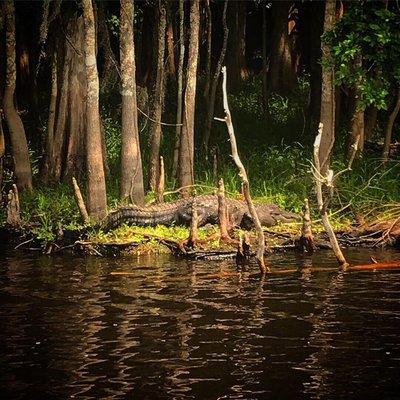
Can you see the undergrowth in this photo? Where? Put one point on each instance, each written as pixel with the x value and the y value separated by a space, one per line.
pixel 278 174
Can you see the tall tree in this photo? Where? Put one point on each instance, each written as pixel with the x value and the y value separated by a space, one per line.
pixel 312 28
pixel 27 85
pixel 171 42
pixel 45 167
pixel 109 72
pixel 236 54
pixel 357 123
pixel 157 98
pixel 2 149
pixel 389 127
pixel 281 77
pixel 370 117
pixel 207 69
pixel 96 183
pixel 366 53
pixel 179 102
pixel 264 58
pixel 65 143
pixel 2 142
pixel 20 152
pixel 186 152
pixel 327 116
pixel 213 89
pixel 131 159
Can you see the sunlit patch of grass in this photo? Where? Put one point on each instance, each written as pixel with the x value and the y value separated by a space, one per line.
pixel 138 234
pixel 151 239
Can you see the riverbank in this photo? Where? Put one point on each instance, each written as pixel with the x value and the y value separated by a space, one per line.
pixel 134 240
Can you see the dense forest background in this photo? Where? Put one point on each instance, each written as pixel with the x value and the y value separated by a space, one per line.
pixel 110 92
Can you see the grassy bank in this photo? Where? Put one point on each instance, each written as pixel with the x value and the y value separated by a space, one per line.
pixel 280 174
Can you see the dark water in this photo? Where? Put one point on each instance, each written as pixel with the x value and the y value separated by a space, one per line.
pixel 182 330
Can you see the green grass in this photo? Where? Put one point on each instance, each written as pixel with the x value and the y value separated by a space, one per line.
pixel 279 174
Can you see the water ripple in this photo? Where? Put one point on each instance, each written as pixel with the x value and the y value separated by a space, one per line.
pixel 174 329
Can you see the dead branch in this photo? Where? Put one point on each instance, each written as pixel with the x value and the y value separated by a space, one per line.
pixel 222 211
pixel 193 224
pixel 244 178
pixel 79 201
pixel 243 250
pixel 327 182
pixel 306 242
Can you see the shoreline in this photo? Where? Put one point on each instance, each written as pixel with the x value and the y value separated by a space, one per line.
pixel 134 241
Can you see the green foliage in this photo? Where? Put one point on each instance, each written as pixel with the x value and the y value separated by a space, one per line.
pixel 112 129
pixel 113 23
pixel 248 99
pixel 44 208
pixel 282 175
pixel 284 120
pixel 281 108
pixel 278 174
pixel 371 32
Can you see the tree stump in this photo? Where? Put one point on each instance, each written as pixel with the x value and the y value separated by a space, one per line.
pixel 13 208
pixel 306 241
pixel 222 211
pixel 193 237
pixel 243 250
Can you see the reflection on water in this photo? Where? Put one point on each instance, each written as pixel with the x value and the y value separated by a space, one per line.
pixel 174 329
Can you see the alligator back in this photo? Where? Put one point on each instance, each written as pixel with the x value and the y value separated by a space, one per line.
pixel 179 212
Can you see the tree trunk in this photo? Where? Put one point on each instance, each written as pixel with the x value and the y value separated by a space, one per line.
pixel 175 161
pixel 370 118
pixel 357 123
pixel 264 59
pixel 20 152
pixel 63 60
pixel 357 133
pixel 27 88
pixel 207 72
pixel 110 72
pixel 171 43
pixel 214 83
pixel 96 185
pixel 65 146
pixel 281 74
pixel 327 116
pixel 2 145
pixel 45 166
pixel 157 101
pixel 73 154
pixel 314 20
pixel 236 54
pixel 186 153
pixel 131 160
pixel 389 128
pixel 2 17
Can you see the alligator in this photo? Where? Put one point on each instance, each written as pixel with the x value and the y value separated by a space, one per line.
pixel 179 212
